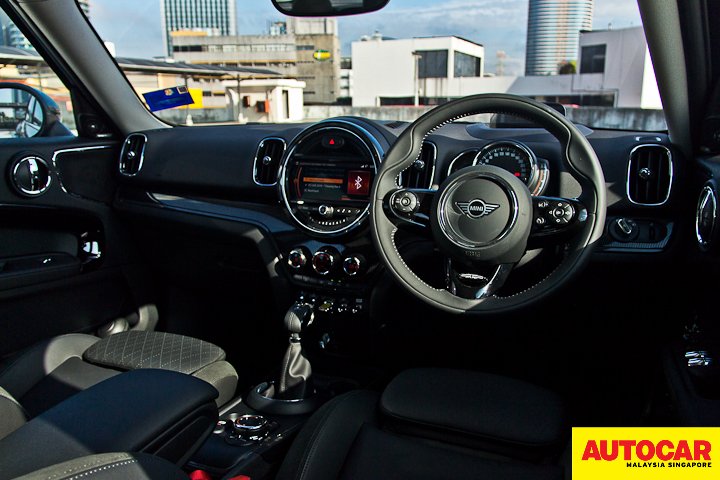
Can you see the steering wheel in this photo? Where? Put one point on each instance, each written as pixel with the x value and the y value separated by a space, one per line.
pixel 482 218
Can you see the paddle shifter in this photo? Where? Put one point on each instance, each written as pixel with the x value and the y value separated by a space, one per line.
pixel 295 380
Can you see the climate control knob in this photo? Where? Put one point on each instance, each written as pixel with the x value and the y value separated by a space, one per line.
pixel 324 260
pixel 297 258
pixel 353 265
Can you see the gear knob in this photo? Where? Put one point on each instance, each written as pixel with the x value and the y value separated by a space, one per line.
pixel 299 316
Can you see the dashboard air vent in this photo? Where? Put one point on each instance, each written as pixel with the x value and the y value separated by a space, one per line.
pixel 267 161
pixel 650 174
pixel 132 154
pixel 420 174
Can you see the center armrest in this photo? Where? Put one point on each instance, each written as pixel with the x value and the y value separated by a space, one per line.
pixel 478 410
pixel 161 412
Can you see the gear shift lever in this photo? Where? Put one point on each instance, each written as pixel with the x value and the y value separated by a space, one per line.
pixel 295 380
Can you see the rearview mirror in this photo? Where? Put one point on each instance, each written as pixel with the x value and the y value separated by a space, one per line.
pixel 27 112
pixel 327 8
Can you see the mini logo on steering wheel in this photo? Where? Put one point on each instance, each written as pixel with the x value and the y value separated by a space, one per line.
pixel 476 208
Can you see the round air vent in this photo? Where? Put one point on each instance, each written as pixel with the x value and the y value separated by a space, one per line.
pixel 706 217
pixel 30 176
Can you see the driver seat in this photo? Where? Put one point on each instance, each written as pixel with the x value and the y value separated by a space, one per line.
pixel 434 423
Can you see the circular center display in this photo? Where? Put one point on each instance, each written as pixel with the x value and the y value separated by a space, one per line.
pixel 327 176
pixel 478 211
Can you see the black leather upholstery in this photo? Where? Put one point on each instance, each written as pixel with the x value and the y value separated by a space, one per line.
pixel 347 438
pixel 479 410
pixel 153 411
pixel 380 455
pixel 110 466
pixel 167 351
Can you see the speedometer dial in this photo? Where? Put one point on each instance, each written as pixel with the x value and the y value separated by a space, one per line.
pixel 514 157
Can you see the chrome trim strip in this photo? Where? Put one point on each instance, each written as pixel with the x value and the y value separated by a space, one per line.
pixel 434 162
pixel 376 153
pixel 543 177
pixel 70 150
pixel 671 170
pixel 257 155
pixel 122 154
pixel 707 194
pixel 534 174
pixel 452 162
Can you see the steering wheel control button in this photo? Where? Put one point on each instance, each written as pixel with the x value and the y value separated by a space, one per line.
pixel 353 265
pixel 405 202
pixel 297 259
pixel 324 260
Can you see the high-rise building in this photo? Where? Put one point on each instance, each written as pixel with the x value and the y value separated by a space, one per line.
pixel 13 37
pixel 212 17
pixel 552 35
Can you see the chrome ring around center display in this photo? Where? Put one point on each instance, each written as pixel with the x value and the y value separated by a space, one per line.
pixel 328 225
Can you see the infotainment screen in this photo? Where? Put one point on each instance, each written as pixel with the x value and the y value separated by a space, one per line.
pixel 332 184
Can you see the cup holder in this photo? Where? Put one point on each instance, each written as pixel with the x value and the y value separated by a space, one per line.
pixel 274 406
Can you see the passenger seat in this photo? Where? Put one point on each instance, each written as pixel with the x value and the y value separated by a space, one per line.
pixel 56 369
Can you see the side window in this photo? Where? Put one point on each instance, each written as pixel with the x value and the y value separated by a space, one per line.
pixel 34 102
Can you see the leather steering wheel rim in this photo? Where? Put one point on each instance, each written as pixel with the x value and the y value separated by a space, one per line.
pixel 579 159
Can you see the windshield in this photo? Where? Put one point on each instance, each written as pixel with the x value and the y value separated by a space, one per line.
pixel 231 61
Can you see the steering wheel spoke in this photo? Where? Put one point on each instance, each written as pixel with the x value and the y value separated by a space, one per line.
pixel 410 208
pixel 476 282
pixel 555 219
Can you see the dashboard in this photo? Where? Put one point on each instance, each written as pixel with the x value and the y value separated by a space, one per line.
pixel 302 191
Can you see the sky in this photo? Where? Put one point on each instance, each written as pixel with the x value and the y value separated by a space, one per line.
pixel 134 25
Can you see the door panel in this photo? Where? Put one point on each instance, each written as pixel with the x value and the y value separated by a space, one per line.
pixel 63 254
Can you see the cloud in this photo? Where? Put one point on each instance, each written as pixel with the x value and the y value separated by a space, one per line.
pixel 132 25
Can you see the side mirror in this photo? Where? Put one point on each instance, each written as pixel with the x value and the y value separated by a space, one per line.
pixel 27 112
pixel 327 8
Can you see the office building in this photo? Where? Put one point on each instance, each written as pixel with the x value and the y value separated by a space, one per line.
pixel 211 17
pixel 614 70
pixel 412 70
pixel 306 49
pixel 553 30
